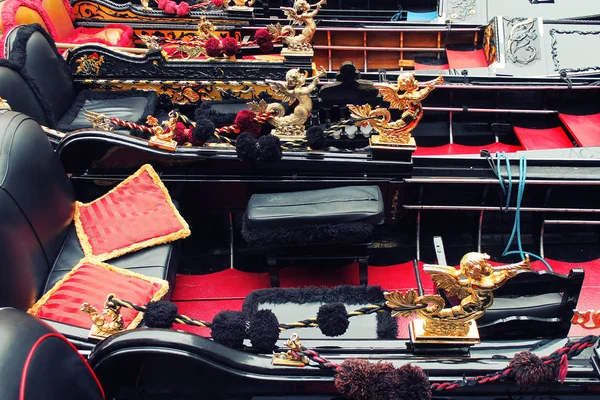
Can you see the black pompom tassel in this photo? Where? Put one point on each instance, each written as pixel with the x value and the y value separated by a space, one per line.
pixel 229 329
pixel 246 146
pixel 203 130
pixel 264 330
pixel 315 137
pixel 160 314
pixel 269 148
pixel 333 319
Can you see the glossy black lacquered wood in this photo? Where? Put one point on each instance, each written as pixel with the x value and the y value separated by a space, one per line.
pixel 192 364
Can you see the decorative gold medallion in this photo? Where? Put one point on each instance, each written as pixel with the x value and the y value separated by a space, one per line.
pixel 89 64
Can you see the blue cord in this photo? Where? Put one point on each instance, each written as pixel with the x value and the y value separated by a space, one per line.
pixel 397 17
pixel 516 231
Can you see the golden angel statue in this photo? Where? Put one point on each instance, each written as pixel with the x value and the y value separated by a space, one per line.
pixel 473 284
pixel 302 13
pixel 294 89
pixel 405 95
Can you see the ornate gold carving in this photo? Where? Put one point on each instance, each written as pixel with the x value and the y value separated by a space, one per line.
pixel 300 14
pixel 206 29
pixel 489 44
pixel 291 358
pixel 293 90
pixel 186 92
pixel 99 121
pixel 397 132
pixel 589 319
pixel 89 64
pixel 163 137
pixel 106 323
pixel 473 284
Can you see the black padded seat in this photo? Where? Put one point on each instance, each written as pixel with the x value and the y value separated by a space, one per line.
pixel 38 243
pixel 336 223
pixel 36 362
pixel 33 51
pixel 156 262
pixel 325 206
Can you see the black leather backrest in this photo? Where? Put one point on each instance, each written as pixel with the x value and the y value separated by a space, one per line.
pixel 15 90
pixel 30 47
pixel 36 208
pixel 38 363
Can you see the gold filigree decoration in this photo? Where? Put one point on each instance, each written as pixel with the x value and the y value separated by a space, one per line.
pixel 473 284
pixel 294 89
pixel 99 121
pixel 291 358
pixel 89 64
pixel 106 323
pixel 489 46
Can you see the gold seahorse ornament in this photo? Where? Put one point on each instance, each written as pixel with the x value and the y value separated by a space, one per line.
pixel 472 284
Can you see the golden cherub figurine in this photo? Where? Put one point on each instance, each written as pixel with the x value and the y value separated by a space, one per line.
pixel 301 13
pixel 294 90
pixel 405 95
pixel 473 284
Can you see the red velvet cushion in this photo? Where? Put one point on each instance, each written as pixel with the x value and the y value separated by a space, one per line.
pixel 461 59
pixel 585 129
pixel 91 283
pixel 111 35
pixel 137 213
pixel 543 139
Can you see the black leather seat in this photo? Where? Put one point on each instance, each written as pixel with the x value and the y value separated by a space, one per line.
pixel 36 362
pixel 38 244
pixel 32 51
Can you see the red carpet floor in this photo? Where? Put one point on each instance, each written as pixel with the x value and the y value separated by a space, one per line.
pixel 203 296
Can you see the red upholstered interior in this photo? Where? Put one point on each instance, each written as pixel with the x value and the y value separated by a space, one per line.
pixel 195 297
pixel 137 213
pixel 424 67
pixel 543 139
pixel 111 35
pixel 461 59
pixel 585 129
pixel 91 283
pixel 457 149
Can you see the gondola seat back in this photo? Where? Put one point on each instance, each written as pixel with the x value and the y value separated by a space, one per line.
pixel 38 240
pixel 36 362
pixel 36 208
pixel 34 52
pixel 19 94
pixel 32 48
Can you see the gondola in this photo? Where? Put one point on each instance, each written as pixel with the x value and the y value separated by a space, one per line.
pixel 410 236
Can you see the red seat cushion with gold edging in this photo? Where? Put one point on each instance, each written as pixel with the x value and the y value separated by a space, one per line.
pixel 92 282
pixel 136 214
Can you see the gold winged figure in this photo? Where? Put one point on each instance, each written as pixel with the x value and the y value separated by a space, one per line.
pixel 406 96
pixel 294 90
pixel 301 13
pixel 472 284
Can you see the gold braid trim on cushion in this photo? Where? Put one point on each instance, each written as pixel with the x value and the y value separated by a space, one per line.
pixel 171 237
pixel 160 293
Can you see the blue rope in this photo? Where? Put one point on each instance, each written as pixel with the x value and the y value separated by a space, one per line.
pixel 397 17
pixel 516 231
